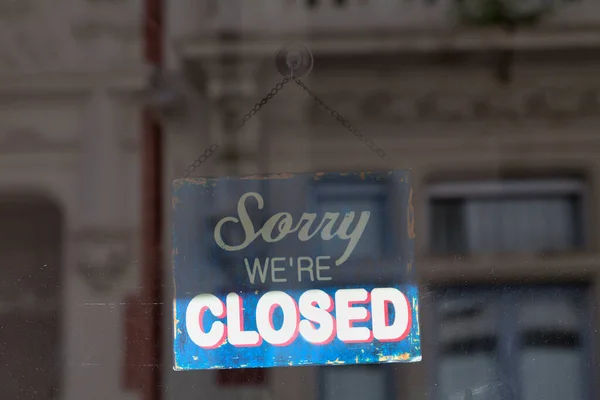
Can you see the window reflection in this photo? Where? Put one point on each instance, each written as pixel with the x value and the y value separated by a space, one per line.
pixel 512 343
pixel 468 348
pixel 356 382
pixel 551 349
pixel 355 198
pixel 518 216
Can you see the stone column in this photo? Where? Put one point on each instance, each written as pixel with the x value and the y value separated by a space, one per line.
pixel 99 253
pixel 102 239
pixel 101 162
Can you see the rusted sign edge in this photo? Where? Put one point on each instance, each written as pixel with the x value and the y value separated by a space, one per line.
pixel 177 182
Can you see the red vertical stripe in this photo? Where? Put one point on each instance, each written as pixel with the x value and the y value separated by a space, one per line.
pixel 143 313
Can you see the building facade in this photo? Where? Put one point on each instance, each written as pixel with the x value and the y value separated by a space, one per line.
pixel 499 130
pixel 72 78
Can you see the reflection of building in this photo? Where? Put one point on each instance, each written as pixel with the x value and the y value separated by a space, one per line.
pixel 71 75
pixel 504 175
pixel 70 85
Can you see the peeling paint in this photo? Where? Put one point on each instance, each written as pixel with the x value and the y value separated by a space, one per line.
pixel 398 357
pixel 269 176
pixel 175 320
pixel 177 183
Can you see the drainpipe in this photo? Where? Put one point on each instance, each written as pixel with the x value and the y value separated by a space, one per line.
pixel 152 171
pixel 142 361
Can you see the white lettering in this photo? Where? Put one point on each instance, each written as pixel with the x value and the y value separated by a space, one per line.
pixel 346 315
pixel 308 303
pixel 235 324
pixel 323 319
pixel 194 325
pixel 380 300
pixel 264 318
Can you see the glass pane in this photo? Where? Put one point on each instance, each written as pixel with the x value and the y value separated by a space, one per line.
pixel 511 225
pixel 551 374
pixel 479 225
pixel 552 355
pixel 29 312
pixel 104 102
pixel 357 383
pixel 447 228
pixel 469 376
pixel 468 342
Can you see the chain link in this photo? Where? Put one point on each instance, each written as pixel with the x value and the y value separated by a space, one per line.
pixel 253 111
pixel 351 128
pixel 258 106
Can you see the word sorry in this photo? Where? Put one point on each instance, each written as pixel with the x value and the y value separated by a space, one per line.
pixel 315 306
pixel 284 223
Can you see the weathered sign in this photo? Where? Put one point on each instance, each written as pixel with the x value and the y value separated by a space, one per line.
pixel 294 269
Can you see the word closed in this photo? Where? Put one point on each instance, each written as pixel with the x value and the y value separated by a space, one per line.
pixel 315 316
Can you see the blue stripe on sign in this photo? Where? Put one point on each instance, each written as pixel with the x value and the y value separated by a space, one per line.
pixel 189 356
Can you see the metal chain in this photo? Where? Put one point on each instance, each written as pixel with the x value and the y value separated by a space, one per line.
pixel 351 128
pixel 257 107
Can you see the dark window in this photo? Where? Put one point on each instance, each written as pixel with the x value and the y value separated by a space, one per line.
pixel 30 257
pixel 540 216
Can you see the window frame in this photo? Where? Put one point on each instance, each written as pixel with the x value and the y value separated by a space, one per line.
pixel 492 188
pixel 508 352
pixel 382 193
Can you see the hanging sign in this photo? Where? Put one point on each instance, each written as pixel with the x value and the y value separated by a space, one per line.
pixel 294 269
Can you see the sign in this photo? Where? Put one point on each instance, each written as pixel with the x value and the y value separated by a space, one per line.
pixel 294 269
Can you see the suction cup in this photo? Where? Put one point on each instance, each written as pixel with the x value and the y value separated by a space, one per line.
pixel 294 60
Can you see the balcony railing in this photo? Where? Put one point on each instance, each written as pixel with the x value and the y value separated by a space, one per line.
pixel 337 16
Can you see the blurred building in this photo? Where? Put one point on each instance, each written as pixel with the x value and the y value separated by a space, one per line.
pixel 498 126
pixel 71 83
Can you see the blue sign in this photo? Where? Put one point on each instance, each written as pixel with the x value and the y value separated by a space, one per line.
pixel 294 269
